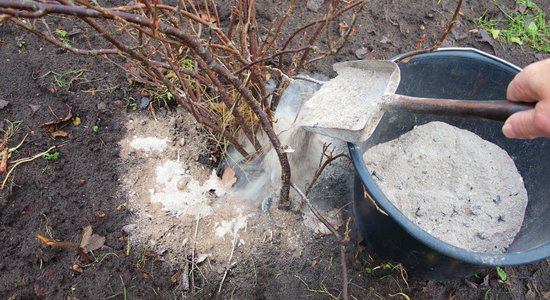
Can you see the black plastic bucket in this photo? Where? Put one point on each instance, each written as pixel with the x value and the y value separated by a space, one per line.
pixel 459 74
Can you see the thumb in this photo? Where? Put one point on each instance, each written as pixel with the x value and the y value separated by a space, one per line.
pixel 529 124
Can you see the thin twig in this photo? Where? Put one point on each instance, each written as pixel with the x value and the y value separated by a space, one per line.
pixel 229 264
pixel 193 255
pixel 368 196
pixel 323 164
pixel 23 160
pixel 342 241
pixel 441 39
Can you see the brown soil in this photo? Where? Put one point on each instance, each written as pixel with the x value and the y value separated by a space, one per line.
pixel 276 254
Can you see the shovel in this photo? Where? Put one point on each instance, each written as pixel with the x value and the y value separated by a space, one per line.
pixel 350 106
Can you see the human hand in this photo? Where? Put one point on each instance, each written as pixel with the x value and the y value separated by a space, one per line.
pixel 530 85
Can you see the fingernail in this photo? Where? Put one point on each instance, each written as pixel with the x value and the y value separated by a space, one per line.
pixel 508 130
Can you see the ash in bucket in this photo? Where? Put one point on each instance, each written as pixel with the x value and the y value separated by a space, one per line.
pixel 454 185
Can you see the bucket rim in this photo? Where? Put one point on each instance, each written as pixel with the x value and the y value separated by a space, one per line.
pixel 468 256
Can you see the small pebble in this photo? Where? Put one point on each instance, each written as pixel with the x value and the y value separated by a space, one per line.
pixel 102 107
pixel 129 229
pixel 314 5
pixel 361 53
pixel 144 102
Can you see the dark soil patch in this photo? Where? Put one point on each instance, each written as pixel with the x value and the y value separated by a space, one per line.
pixel 57 198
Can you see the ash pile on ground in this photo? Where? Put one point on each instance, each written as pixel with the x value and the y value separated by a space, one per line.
pixel 181 208
pixel 453 184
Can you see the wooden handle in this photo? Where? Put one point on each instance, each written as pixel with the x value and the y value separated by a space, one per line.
pixel 498 110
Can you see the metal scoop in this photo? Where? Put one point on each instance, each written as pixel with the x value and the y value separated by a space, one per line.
pixel 349 106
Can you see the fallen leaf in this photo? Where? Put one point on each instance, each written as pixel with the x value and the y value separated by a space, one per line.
pixel 546 295
pixel 95 242
pixel 56 125
pixel 494 33
pixel 100 214
pixel 176 277
pixel 228 177
pixel 485 37
pixel 516 40
pixel 201 258
pixel 59 133
pixel 34 108
pixel 77 268
pixel 3 19
pixel 86 235
pixel 207 18
pixel 3 103
pixel 76 121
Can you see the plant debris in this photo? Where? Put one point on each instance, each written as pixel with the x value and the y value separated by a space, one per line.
pixel 64 245
pixel 54 128
pixel 91 242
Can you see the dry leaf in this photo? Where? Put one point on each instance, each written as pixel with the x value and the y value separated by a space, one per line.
pixel 95 242
pixel 3 19
pixel 3 103
pixel 34 108
pixel 76 121
pixel 91 242
pixel 207 18
pixel 100 214
pixel 77 268
pixel 86 235
pixel 176 277
pixel 56 125
pixel 201 258
pixel 228 177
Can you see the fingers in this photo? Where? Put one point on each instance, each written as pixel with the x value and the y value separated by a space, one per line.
pixel 529 124
pixel 532 84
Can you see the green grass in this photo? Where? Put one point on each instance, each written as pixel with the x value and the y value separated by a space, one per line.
pixel 501 274
pixel 528 28
pixel 63 36
pixel 51 156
